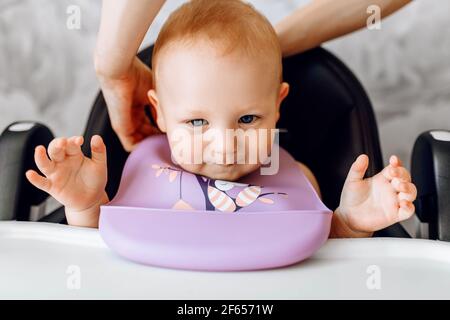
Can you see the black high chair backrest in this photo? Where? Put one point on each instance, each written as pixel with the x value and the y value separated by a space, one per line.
pixel 327 114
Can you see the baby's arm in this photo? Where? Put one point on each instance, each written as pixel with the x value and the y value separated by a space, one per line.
pixel 338 227
pixel 76 181
pixel 310 176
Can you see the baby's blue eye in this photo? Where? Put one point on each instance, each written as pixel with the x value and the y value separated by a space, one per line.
pixel 247 118
pixel 198 122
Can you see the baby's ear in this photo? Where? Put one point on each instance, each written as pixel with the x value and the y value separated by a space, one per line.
pixel 284 91
pixel 152 96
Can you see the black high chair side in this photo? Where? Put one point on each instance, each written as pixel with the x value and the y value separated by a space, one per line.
pixel 328 121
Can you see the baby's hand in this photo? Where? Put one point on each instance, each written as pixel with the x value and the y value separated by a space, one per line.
pixel 71 178
pixel 368 205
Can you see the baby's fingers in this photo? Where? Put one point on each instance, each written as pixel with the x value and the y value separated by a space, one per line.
pixel 401 173
pixel 56 149
pixel 406 190
pixel 406 210
pixel 395 161
pixel 73 147
pixel 42 161
pixel 38 181
pixel 390 172
pixel 98 150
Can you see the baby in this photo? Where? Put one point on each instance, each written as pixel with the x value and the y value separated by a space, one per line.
pixel 217 66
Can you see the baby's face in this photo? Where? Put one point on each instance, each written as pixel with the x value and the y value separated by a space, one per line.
pixel 199 91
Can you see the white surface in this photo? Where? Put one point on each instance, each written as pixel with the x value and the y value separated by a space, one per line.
pixel 441 135
pixel 22 126
pixel 37 261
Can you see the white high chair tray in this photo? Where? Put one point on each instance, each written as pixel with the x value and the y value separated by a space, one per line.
pixel 42 260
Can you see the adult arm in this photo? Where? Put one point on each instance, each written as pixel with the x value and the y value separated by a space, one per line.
pixel 323 20
pixel 123 26
pixel 123 78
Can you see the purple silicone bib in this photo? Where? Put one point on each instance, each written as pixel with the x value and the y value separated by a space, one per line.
pixel 164 216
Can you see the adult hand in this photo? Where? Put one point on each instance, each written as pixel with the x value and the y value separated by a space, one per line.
pixel 126 98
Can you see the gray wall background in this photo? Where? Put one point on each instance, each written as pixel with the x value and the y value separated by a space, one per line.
pixel 46 70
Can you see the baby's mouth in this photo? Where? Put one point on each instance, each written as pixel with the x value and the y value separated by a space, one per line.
pixel 224 160
pixel 222 168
